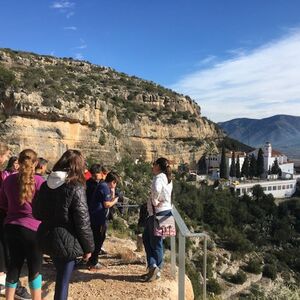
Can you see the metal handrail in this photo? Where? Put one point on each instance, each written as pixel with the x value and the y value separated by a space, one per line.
pixel 184 233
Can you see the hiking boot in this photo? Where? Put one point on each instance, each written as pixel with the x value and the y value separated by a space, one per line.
pixel 22 293
pixel 152 275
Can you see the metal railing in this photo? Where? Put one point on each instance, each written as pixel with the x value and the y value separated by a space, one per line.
pixel 182 234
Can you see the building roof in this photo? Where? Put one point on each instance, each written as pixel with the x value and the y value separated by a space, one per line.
pixel 276 153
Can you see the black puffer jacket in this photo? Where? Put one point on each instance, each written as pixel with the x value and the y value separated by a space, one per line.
pixel 64 207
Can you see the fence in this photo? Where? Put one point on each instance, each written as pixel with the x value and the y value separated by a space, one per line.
pixel 184 233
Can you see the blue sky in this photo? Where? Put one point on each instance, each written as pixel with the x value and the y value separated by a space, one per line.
pixel 235 58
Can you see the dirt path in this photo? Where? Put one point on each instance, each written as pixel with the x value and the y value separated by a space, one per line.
pixel 120 279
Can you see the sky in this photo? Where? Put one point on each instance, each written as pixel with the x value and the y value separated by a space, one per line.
pixel 235 58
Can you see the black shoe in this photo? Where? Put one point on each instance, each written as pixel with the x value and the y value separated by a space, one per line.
pixel 22 293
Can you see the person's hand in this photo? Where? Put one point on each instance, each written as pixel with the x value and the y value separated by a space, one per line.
pixel 86 256
pixel 113 192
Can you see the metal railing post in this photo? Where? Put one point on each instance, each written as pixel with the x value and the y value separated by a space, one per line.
pixel 173 256
pixel 204 267
pixel 181 274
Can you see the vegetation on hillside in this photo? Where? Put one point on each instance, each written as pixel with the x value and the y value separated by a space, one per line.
pixel 86 84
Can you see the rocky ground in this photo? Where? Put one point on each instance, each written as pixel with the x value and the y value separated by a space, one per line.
pixel 120 279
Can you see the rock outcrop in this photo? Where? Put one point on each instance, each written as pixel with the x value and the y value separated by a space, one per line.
pixel 53 104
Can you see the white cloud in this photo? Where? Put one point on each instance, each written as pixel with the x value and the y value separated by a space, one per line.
pixel 62 4
pixel 81 47
pixel 71 28
pixel 65 7
pixel 256 84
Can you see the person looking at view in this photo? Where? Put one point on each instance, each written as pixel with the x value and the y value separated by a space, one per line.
pixel 159 203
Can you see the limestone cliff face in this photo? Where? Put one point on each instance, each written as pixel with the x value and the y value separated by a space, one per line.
pixel 53 104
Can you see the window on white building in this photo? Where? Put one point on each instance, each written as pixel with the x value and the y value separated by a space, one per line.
pixel 264 188
pixel 283 187
pixel 274 188
pixel 269 188
pixel 279 187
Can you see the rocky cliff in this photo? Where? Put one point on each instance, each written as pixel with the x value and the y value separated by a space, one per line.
pixel 52 104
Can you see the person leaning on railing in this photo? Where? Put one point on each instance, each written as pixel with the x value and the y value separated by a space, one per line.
pixel 160 204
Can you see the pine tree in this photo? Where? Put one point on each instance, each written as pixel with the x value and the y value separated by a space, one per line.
pixel 232 171
pixel 202 166
pixel 260 170
pixel 245 167
pixel 238 168
pixel 223 167
pixel 275 168
pixel 252 168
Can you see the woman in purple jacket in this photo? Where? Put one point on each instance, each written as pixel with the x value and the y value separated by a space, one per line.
pixel 16 195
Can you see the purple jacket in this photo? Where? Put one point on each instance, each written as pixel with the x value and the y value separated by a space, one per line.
pixel 9 202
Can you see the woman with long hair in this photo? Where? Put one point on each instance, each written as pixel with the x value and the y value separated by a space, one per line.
pixel 16 197
pixel 4 152
pixel 11 168
pixel 159 203
pixel 65 232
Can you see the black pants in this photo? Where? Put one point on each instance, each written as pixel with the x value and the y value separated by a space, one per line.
pixel 22 243
pixel 99 233
pixel 3 248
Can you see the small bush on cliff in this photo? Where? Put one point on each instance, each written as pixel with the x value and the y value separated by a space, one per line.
pixel 6 79
pixel 214 287
pixel 270 271
pixel 238 278
pixel 102 139
pixel 254 266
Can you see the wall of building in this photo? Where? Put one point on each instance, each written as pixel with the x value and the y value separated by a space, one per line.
pixel 278 188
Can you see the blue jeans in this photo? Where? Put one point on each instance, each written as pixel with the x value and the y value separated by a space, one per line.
pixel 153 244
pixel 64 271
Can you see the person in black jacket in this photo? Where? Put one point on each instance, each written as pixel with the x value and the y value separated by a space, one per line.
pixel 65 232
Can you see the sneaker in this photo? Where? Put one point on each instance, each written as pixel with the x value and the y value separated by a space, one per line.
pixel 2 289
pixel 22 293
pixel 152 275
pixel 95 267
pixel 103 252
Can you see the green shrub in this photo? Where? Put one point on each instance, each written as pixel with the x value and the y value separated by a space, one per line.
pixel 254 266
pixel 213 286
pixel 6 78
pixel 238 278
pixel 102 139
pixel 270 271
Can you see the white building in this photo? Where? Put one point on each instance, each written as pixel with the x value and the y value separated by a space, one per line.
pixel 215 160
pixel 278 188
pixel 270 155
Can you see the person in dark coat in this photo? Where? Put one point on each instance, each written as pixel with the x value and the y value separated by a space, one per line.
pixel 65 232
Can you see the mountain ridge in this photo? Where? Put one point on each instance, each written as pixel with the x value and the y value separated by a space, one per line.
pixel 283 131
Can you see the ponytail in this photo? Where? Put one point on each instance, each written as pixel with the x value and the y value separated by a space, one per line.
pixel 27 162
pixel 165 167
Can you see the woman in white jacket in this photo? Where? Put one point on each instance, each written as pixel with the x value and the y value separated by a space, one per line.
pixel 160 204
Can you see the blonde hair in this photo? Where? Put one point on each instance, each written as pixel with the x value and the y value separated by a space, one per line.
pixel 27 160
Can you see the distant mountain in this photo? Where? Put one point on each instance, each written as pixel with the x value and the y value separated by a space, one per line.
pixel 282 131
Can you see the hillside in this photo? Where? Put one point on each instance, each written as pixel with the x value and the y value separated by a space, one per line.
pixel 52 104
pixel 283 131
